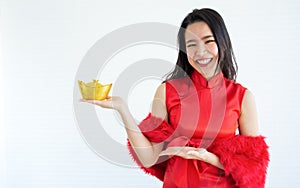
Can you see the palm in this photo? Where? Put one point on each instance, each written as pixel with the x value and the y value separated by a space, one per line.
pixel 185 152
pixel 110 102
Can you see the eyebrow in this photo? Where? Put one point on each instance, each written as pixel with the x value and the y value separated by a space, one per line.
pixel 205 37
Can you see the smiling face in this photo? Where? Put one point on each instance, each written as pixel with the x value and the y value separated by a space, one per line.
pixel 201 48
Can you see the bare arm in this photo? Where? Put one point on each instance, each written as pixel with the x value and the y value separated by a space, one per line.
pixel 146 151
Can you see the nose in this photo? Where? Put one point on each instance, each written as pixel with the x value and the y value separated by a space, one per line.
pixel 201 50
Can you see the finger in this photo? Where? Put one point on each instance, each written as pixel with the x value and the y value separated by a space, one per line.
pixel 167 152
pixel 200 154
pixel 85 100
pixel 195 153
pixel 171 154
pixel 199 151
pixel 163 153
pixel 92 101
pixel 171 151
pixel 174 150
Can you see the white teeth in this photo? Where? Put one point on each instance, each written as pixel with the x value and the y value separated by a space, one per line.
pixel 205 61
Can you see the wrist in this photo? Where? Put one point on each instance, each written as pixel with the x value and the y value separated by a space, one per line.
pixel 122 107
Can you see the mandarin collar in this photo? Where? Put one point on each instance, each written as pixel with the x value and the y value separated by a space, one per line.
pixel 200 80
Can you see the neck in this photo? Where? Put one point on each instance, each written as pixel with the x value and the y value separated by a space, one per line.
pixel 210 75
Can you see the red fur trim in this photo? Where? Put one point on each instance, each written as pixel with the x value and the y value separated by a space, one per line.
pixel 157 170
pixel 156 130
pixel 245 158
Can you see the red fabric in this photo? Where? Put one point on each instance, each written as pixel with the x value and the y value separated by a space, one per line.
pixel 156 129
pixel 205 114
pixel 204 109
pixel 245 158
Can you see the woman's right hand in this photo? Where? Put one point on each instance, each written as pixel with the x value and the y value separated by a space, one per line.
pixel 112 102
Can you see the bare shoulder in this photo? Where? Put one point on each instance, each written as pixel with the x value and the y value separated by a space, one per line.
pixel 248 120
pixel 248 102
pixel 248 108
pixel 160 91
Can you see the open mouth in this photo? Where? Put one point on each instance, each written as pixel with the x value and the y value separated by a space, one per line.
pixel 204 62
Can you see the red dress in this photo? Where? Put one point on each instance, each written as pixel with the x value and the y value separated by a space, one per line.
pixel 202 112
pixel 205 114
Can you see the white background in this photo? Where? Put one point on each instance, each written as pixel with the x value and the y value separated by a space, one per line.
pixel 43 43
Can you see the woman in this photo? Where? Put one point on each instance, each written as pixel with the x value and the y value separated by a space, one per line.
pixel 189 139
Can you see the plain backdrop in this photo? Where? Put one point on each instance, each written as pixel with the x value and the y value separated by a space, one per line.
pixel 43 43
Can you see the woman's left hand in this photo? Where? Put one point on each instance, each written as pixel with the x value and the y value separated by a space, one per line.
pixel 193 153
pixel 187 153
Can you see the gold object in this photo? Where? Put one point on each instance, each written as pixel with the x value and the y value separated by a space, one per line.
pixel 94 90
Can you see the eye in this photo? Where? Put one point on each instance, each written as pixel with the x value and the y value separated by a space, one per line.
pixel 209 41
pixel 191 45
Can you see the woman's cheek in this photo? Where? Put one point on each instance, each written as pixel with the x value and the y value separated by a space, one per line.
pixel 190 59
pixel 213 49
pixel 190 52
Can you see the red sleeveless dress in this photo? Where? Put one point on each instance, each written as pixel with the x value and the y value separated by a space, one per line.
pixel 205 114
pixel 201 112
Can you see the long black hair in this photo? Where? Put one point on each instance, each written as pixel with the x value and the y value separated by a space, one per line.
pixel 226 60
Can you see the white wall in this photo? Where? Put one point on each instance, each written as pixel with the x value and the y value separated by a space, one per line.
pixel 43 43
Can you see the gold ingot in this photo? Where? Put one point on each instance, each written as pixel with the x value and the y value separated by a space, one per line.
pixel 94 90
